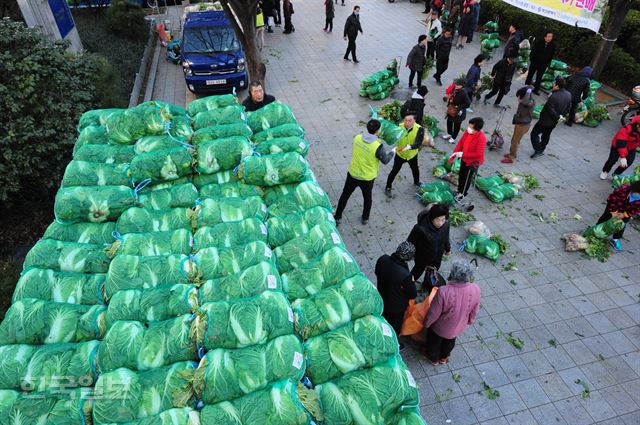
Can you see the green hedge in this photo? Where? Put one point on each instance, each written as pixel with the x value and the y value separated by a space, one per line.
pixel 576 46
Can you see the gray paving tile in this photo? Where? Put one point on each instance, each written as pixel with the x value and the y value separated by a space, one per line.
pixel 483 408
pixel 548 414
pixel 537 363
pixel 597 407
pixel 521 418
pixel 573 412
pixel 515 369
pixel 554 386
pixel 459 411
pixel 531 393
pixel 509 400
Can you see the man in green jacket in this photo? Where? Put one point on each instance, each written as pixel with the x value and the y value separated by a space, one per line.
pixel 368 153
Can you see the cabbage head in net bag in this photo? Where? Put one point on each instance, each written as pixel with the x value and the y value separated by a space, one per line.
pixel 272 115
pixel 284 228
pixel 181 195
pixel 362 343
pixel 438 197
pixel 157 142
pixel 215 263
pixel 227 374
pixel 302 191
pixel 151 304
pixel 244 322
pixel 124 396
pixel 161 165
pixel 219 116
pixel 207 134
pixel 235 189
pixel 61 287
pixel 390 132
pixel 71 407
pixel 211 102
pixel 144 220
pixel 96 117
pixel 83 173
pixel 284 130
pixel 271 170
pixel 157 243
pixel 305 248
pixel 94 233
pixel 481 245
pixel 94 204
pixel 305 195
pixel 68 257
pixel 39 368
pixel 276 404
pixel 250 282
pixel 210 212
pixel 486 183
pixel 222 177
pixel 337 305
pixel 91 136
pixel 502 192
pixel 36 322
pixel 377 394
pixel 283 145
pixel 222 154
pixel 106 154
pixel 143 346
pixel 125 127
pixel 333 266
pixel 230 234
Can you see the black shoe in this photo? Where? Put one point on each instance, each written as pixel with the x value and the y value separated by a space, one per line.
pixel 347 59
pixel 356 61
pixel 418 184
pixel 569 123
pixel 401 346
pixel 337 222
pixel 387 192
pixel 365 221
pixel 536 154
pixel 286 32
pixel 536 91
pixel 269 30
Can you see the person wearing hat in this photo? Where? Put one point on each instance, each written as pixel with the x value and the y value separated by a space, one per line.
pixel 452 310
pixel 457 103
pixel 430 235
pixel 395 284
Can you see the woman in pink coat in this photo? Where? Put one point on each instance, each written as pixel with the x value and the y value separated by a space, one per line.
pixel 454 307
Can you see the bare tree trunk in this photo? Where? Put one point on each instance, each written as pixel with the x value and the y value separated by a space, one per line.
pixel 618 10
pixel 242 15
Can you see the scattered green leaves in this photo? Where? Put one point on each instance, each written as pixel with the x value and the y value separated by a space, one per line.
pixel 325 100
pixel 553 217
pixel 553 343
pixel 530 181
pixel 458 218
pixel 598 248
pixel 502 244
pixel 515 341
pixel 538 196
pixel 456 377
pixel 534 273
pixel 511 266
pixel 586 392
pixel 489 392
pixel 513 282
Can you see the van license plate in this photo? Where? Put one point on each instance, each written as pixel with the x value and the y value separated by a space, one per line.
pixel 216 82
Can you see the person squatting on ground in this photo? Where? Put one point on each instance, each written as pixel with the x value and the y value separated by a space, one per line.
pixel 416 60
pixel 452 310
pixel 521 121
pixel 502 73
pixel 457 104
pixel 579 85
pixel 623 148
pixel 257 97
pixel 351 28
pixel 557 108
pixel 443 50
pixel 430 235
pixel 622 203
pixel 368 153
pixel 395 284
pixel 470 149
pixel 542 53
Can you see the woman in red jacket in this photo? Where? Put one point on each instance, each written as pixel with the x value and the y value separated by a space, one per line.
pixel 623 203
pixel 471 149
pixel 623 147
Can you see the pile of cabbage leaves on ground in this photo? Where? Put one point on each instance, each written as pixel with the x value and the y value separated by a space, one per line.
pixel 194 275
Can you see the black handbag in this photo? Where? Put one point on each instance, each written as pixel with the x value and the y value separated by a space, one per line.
pixel 433 278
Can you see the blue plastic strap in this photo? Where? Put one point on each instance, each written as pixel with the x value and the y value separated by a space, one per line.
pixel 234 91
pixel 116 235
pixel 374 114
pixel 144 183
pixel 462 245
pixel 418 196
pixel 201 351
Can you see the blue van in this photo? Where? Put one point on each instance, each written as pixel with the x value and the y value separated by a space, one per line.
pixel 212 56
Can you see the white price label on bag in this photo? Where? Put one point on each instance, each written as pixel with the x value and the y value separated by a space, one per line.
pixel 330 217
pixel 335 237
pixel 263 228
pixel 386 330
pixel 272 282
pixel 347 257
pixel 297 360
pixel 302 145
pixel 290 312
pixel 412 382
pixel 267 252
pixel 264 208
pixel 319 190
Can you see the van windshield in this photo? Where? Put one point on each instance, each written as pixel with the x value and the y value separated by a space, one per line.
pixel 210 40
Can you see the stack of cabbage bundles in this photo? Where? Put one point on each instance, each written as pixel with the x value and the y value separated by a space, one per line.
pixel 194 275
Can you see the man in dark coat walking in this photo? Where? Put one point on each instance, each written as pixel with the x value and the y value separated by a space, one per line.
pixel 416 60
pixel 557 107
pixel 502 74
pixel 579 85
pixel 395 284
pixel 512 47
pixel 351 29
pixel 330 12
pixel 542 53
pixel 443 50
pixel 269 8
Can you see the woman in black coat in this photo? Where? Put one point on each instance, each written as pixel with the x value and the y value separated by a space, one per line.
pixel 457 103
pixel 466 23
pixel 329 11
pixel 431 238
pixel 416 60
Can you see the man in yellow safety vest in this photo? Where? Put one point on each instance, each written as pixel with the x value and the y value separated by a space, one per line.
pixel 368 153
pixel 408 148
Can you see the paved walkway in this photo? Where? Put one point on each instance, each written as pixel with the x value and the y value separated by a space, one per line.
pixel 578 318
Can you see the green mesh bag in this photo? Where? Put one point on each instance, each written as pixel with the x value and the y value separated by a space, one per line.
pixel 162 165
pixel 178 196
pixel 335 306
pixel 481 245
pixel 250 282
pixel 283 145
pixel 622 179
pixel 213 263
pixel 69 407
pixel 486 183
pixel 364 342
pixel 93 204
pixel 271 170
pixel 285 130
pixel 302 249
pixel 225 374
pixel 226 210
pixel 219 116
pixel 156 116
pixel 303 196
pixel 36 322
pixel 61 287
pixel 107 154
pixel 605 229
pixel 156 143
pixel 272 115
pixel 123 395
pixel 558 65
pixel 408 416
pixel 94 233
pixel 390 132
pixel 151 304
pixel 440 197
pixel 333 266
pixel 178 416
pixel 439 171
pixel 276 404
pixel 434 187
pixel 284 228
pixel 68 257
pixel 157 243
pixel 125 127
pixel 376 78
pixel 143 220
pixel 228 190
pixel 200 180
pixel 222 154
pixel 501 193
pixel 211 102
pixel 207 134
pixel 83 173
pixel 380 95
pixel 181 127
pixel 451 166
pixel 39 368
pixel 144 346
pixel 93 136
pixel 96 117
pixel 245 322
pixel 377 394
pixel 230 234
pixel 375 89
pixel 133 272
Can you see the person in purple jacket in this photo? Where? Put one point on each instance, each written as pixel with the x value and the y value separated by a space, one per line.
pixel 452 310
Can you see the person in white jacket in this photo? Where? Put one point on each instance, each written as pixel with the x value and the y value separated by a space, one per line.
pixel 434 31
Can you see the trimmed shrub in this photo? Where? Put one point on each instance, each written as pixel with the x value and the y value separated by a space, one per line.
pixel 127 20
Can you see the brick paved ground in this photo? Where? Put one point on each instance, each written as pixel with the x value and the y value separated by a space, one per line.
pixel 577 317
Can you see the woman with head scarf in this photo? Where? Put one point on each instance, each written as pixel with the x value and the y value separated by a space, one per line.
pixel 431 238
